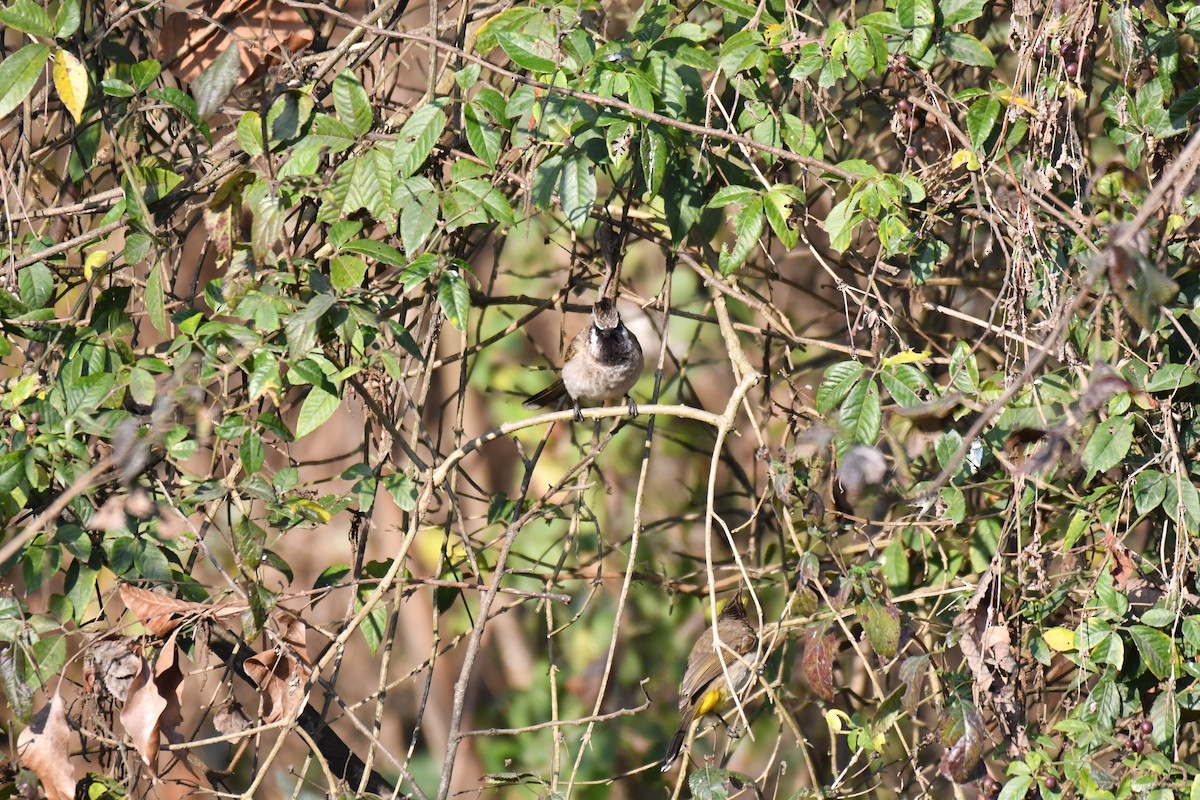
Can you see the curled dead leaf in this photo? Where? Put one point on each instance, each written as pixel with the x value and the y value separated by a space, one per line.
pixel 45 746
pixel 112 659
pixel 161 614
pixel 231 718
pixel 142 716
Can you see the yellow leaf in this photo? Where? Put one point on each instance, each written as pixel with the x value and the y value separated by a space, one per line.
pixel 70 79
pixel 1174 223
pixel 965 157
pixel 96 258
pixel 1060 639
pixel 906 357
pixel 835 717
pixel 310 510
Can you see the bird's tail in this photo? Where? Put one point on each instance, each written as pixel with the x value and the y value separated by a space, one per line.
pixel 548 396
pixel 677 741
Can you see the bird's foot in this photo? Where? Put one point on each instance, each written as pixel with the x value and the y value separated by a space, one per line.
pixel 578 412
pixel 632 406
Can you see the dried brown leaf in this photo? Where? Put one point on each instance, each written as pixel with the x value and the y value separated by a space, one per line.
pixel 142 716
pixel 231 718
pixel 161 614
pixel 168 677
pixel 112 659
pixel 110 516
pixel 282 672
pixel 158 613
pixel 45 747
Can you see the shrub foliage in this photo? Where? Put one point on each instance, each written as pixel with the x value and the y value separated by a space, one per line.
pixel 916 284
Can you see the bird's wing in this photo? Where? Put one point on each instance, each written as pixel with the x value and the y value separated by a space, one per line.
pixel 577 344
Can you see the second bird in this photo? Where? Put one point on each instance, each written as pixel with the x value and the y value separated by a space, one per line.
pixel 603 362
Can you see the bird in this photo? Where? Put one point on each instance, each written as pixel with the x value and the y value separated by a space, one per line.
pixel 705 689
pixel 603 362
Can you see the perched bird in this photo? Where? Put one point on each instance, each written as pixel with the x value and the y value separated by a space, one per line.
pixel 704 689
pixel 603 362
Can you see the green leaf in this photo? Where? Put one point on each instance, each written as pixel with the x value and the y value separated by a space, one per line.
pixel 709 783
pixel 18 73
pixel 67 19
pixel 861 414
pixel 655 157
pixel 577 191
pixel 482 135
pixel 144 73
pixel 860 58
pixel 402 490
pixel 881 623
pixel 1149 490
pixel 840 223
pixel 749 226
pixel 212 86
pixel 416 139
pixel 981 120
pixel 778 206
pixel 1156 648
pixel 364 182
pixel 455 297
pixel 1016 787
pixel 523 50
pixel 249 542
pixel 379 251
pixel 346 272
pixel 374 625
pixel 956 12
pixel 29 17
pixel 839 379
pixel 156 300
pixel 918 17
pixel 417 202
pixel 317 409
pixel 965 48
pixel 352 104
pixel 741 51
pixel 906 384
pixel 1108 445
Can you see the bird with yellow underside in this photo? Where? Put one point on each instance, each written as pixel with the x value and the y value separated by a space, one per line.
pixel 707 687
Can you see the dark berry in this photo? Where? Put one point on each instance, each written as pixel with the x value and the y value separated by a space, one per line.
pixel 910 152
pixel 1051 782
pixel 1137 745
pixel 35 417
pixel 902 60
pixel 903 106
pixel 1146 727
pixel 1082 55
pixel 1040 50
pixel 914 122
pixel 1072 69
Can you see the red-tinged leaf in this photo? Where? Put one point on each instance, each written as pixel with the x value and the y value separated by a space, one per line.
pixel 913 673
pixel 45 747
pixel 820 649
pixel 964 736
pixel 142 716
